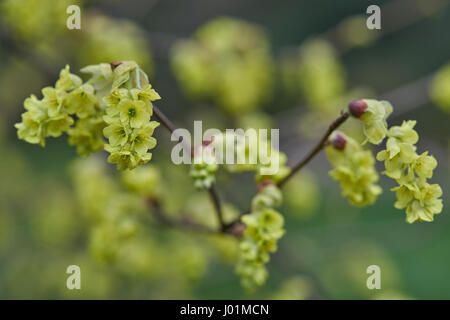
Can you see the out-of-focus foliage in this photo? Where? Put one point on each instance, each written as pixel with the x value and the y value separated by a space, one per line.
pixel 348 269
pixel 227 61
pixel 295 288
pixel 440 89
pixel 39 22
pixel 118 39
pixel 302 195
pixel 321 76
pixel 352 32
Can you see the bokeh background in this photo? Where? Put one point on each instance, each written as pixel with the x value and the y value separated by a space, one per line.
pixel 320 57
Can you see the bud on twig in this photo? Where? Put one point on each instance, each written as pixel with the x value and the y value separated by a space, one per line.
pixel 263 184
pixel 357 108
pixel 115 64
pixel 339 141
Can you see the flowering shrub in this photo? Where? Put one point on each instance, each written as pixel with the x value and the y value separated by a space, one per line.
pixel 113 110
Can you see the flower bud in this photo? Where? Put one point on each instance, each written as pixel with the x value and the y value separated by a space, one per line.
pixel 339 141
pixel 263 184
pixel 115 64
pixel 357 108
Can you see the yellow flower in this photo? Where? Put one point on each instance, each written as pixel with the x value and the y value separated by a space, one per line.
pixel 354 168
pixel 81 101
pixel 420 200
pixel 374 120
pixel 133 112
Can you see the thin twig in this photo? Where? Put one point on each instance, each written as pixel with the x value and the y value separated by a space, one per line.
pixel 336 123
pixel 211 190
pixel 216 201
pixel 163 119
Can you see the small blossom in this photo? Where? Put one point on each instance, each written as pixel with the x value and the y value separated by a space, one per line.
pixel 270 196
pixel 81 101
pixel 133 112
pixel 117 134
pixel 203 168
pixel 141 139
pixel 145 94
pixel 87 135
pixel 354 168
pixel 30 130
pixel 67 81
pixel 357 108
pixel 424 165
pixel 374 120
pixel 420 200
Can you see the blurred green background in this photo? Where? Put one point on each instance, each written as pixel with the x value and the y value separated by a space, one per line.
pixel 328 244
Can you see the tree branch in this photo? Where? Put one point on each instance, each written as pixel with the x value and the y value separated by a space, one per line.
pixel 216 202
pixel 211 190
pixel 319 146
pixel 336 123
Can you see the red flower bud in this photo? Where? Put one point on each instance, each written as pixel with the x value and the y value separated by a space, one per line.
pixel 115 64
pixel 339 142
pixel 357 108
pixel 263 184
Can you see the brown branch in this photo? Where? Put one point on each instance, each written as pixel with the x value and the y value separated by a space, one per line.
pixel 336 123
pixel 216 202
pixel 211 190
pixel 320 145
pixel 163 119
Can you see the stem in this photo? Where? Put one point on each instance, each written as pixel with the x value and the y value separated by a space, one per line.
pixel 212 190
pixel 216 201
pixel 336 123
pixel 163 119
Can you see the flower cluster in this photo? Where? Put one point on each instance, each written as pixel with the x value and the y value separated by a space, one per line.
pixel 354 169
pixel 203 169
pixel 280 159
pixel 373 114
pixel 129 108
pixel 53 114
pixel 411 171
pixel 227 60
pixel 264 226
pixel 112 104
